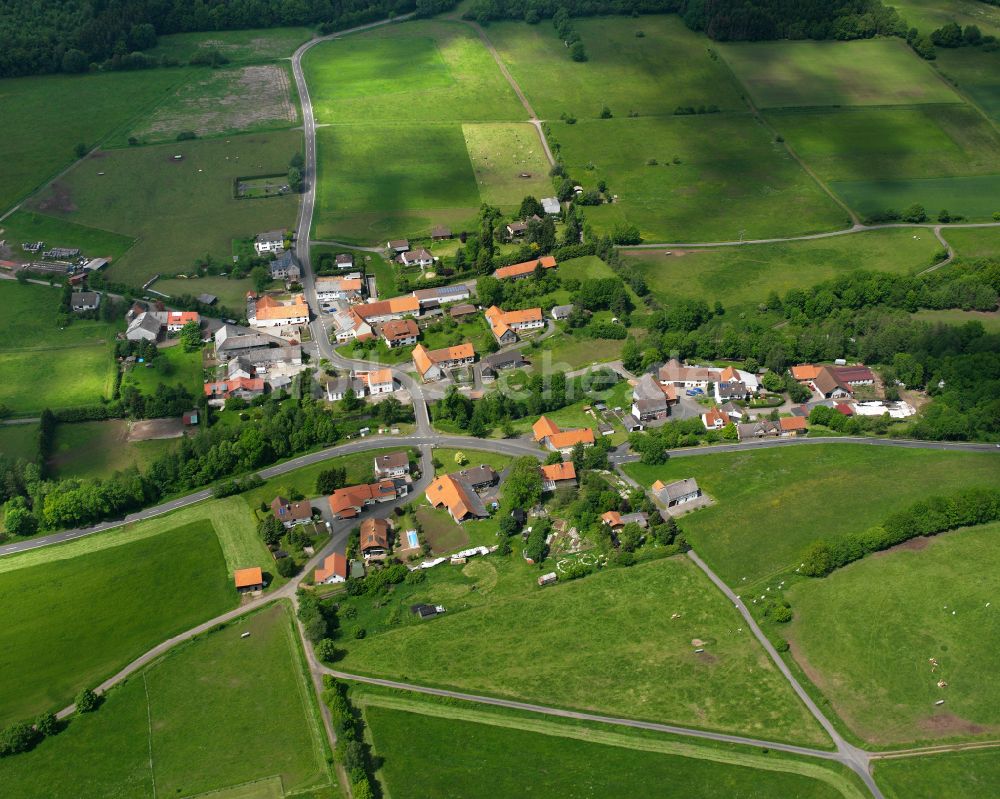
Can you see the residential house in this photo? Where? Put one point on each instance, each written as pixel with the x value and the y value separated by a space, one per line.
pixel 759 428
pixel 382 311
pixel 378 381
pixel 249 580
pixel 525 269
pixel 649 402
pixel 268 311
pixel 348 287
pixel 792 426
pixel 442 295
pixel 333 570
pixel 749 379
pixel 400 333
pixel 392 464
pixel 291 514
pixel 551 206
pixel 240 368
pixel 516 230
pixel 688 377
pixel 559 312
pixel 272 241
pixel 508 325
pixel 805 372
pixel 145 326
pixel 348 325
pixel 616 520
pixel 480 477
pixel 243 388
pixel 398 245
pixel 432 364
pixel 829 384
pixel 731 391
pixel 733 411
pixel 346 503
pixel 510 359
pixel 374 541
pixel 557 475
pixel 336 388
pixel 714 419
pixel 81 301
pixel 344 260
pixel 548 434
pixel 177 319
pixel 680 492
pixel 420 258
pixel 452 492
pixel 286 267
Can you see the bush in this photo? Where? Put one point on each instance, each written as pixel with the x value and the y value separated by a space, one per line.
pixel 47 724
pixel 287 567
pixel 87 701
pixel 186 135
pixel 326 650
pixel 416 577
pixel 781 645
pixel 778 610
pixel 18 737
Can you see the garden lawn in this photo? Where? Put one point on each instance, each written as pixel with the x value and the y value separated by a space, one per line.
pixel 974 242
pixel 988 319
pixel 99 449
pixel 669 66
pixel 377 183
pixel 974 198
pixel 865 636
pixel 605 644
pixel 875 144
pixel 454 750
pixel 69 110
pixel 238 46
pixel 862 72
pixel 179 210
pixel 473 457
pixel 24 226
pixel 172 366
pixel 954 775
pixel 739 276
pixel 800 494
pixel 19 441
pixel 424 71
pixel 439 530
pixel 231 294
pixel 501 153
pixel 731 179
pixel 975 73
pixel 177 724
pixel 69 624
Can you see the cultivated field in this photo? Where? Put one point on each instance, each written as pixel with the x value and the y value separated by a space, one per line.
pixel 261 44
pixel 392 180
pixel 973 197
pixel 866 635
pixel 180 210
pixel 975 73
pixel 424 71
pixel 956 775
pixel 455 750
pixel 606 643
pixel 73 622
pixel 63 107
pixel 181 725
pixel 694 178
pixel 738 276
pixel 99 449
pixel 22 226
pixel 501 153
pixel 805 493
pixel 862 72
pixel 225 101
pixel 669 66
pixel 43 365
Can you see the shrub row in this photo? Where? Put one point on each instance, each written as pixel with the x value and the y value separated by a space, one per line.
pixel 351 751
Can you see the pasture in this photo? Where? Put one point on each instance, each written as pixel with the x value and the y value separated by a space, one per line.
pixel 954 775
pixel 741 276
pixel 224 101
pixel 63 106
pixel 242 46
pixel 862 72
pixel 501 153
pixel 179 210
pixel 455 749
pixel 975 198
pixel 584 636
pixel 22 226
pixel 869 634
pixel 974 242
pixel 423 71
pixel 73 622
pixel 669 66
pixel 694 178
pixel 803 492
pixel 180 725
pixel 19 441
pixel 99 449
pixel 975 73
pixel 387 181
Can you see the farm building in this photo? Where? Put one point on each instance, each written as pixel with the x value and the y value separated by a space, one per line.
pixel 249 580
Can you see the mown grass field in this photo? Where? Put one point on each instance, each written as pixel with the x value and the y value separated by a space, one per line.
pixel 179 210
pixel 974 242
pixel 172 366
pixel 387 181
pixel 669 66
pixel 738 276
pixel 19 441
pixel 99 449
pixel 990 320
pixel 24 226
pixel 955 775
pixel 423 71
pixel 731 178
pixel 866 633
pixel 975 73
pixel 258 44
pixel 501 153
pixel 63 107
pixel 862 72
pixel 606 643
pixel 975 198
pixel 797 495
pixel 71 623
pixel 181 725
pixel 455 751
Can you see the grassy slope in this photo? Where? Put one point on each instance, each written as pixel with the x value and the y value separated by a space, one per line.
pixel 926 15
pixel 731 178
pixel 63 107
pixel 585 636
pixel 458 758
pixel 99 449
pixel 990 320
pixel 501 152
pixel 180 210
pixel 957 775
pixel 745 275
pixel 974 198
pixel 71 623
pixel 188 715
pixel 975 243
pixel 771 504
pixel 230 293
pixel 865 634
pixel 24 226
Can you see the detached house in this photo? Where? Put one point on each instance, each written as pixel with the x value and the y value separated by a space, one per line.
pixel 346 503
pixel 759 428
pixel 333 570
pixel 291 514
pixel 349 287
pixel 432 364
pixel 715 419
pixel 829 384
pixel 374 541
pixel 400 333
pixel 649 400
pixel 177 319
pixel 420 258
pixel 548 434
pixel 272 241
pixel 557 475
pixel 508 325
pixel 392 464
pixel 454 493
pixel 680 492
pixel 267 311
pixel 379 381
pixel 81 301
pixel 286 267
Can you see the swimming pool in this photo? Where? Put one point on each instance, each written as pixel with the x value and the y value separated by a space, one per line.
pixel 412 540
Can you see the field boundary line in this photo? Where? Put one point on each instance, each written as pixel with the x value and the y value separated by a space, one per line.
pixel 747 759
pixel 217 791
pixel 149 727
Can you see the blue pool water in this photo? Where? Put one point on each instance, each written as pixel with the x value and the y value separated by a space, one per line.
pixel 411 537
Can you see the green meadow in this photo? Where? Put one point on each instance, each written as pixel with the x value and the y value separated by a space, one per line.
pixel 862 72
pixel 99 449
pixel 585 636
pixel 975 198
pixel 694 178
pixel 19 441
pixel 988 319
pixel 230 293
pixel 975 72
pixel 667 67
pixel 185 725
pixel 803 494
pixel 953 775
pixel 508 161
pixel 739 276
pixel 974 242
pixel 256 44
pixel 22 226
pixel 868 634
pixel 172 366
pixel 927 15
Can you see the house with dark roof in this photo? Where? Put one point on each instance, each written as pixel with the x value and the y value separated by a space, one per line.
pixel 392 464
pixel 81 301
pixel 286 267
pixel 759 428
pixel 480 477
pixel 679 492
pixel 374 540
pixel 829 384
pixel 291 514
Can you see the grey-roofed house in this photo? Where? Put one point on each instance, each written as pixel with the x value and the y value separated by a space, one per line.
pixel 649 403
pixel 551 205
pixel 268 355
pixel 733 410
pixel 240 367
pixel 286 267
pixel 144 326
pixel 631 424
pixel 392 464
pixel 760 428
pixel 85 301
pixel 679 492
pixel 337 388
pixel 269 241
pixel 480 477
pixel 207 299
pixel 724 392
pixel 344 260
pixel 231 341
pixel 512 359
pixel 561 312
pixel 279 382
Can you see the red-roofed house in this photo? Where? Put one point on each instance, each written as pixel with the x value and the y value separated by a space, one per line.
pixel 714 419
pixel 346 503
pixel 333 570
pixel 556 475
pixel 177 319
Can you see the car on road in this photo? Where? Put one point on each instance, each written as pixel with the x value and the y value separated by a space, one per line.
pixel 694 392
